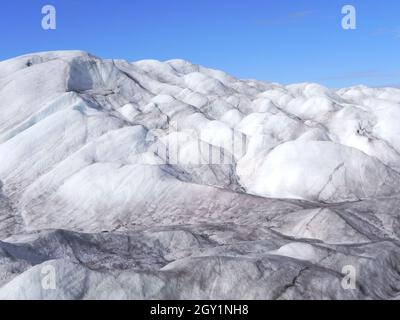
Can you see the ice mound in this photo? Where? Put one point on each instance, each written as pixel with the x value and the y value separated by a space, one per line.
pixel 337 173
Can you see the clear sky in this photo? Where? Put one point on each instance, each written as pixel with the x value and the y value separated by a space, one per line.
pixel 283 41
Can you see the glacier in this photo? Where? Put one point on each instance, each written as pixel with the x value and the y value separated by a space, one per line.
pixel 169 180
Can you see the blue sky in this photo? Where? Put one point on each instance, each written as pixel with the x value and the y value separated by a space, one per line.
pixel 283 41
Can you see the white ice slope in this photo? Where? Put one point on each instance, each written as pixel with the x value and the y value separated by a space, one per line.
pixel 91 145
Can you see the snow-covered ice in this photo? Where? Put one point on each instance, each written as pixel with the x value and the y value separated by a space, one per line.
pixel 171 180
